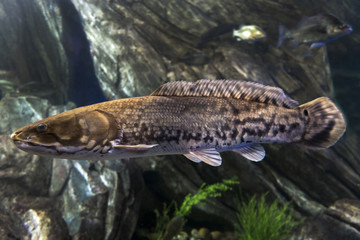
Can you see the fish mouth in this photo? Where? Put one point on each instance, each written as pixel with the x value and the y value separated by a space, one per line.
pixel 51 150
pixel 348 29
pixel 22 144
pixel 14 136
pixel 17 139
pixel 34 148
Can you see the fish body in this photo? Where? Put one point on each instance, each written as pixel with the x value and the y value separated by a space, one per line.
pixel 251 33
pixel 219 33
pixel 315 30
pixel 198 120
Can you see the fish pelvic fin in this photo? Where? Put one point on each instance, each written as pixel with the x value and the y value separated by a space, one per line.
pixel 209 156
pixel 326 124
pixel 253 152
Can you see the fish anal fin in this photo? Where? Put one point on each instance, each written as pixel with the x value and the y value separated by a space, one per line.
pixel 253 152
pixel 138 147
pixel 209 156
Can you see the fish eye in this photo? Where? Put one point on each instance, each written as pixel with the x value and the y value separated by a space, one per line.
pixel 306 113
pixel 41 128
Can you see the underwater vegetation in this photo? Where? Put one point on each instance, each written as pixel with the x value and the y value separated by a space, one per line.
pixel 258 220
pixel 205 192
pixel 167 227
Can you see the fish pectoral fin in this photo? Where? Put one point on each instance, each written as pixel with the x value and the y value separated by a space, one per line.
pixel 254 152
pixel 139 147
pixel 209 156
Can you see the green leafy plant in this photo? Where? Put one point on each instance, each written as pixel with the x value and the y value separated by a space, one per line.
pixel 167 227
pixel 162 220
pixel 202 196
pixel 257 220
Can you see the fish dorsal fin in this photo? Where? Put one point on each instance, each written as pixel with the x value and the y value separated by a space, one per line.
pixel 254 152
pixel 209 156
pixel 249 91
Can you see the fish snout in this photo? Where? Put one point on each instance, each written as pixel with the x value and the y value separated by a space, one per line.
pixel 15 136
pixel 349 29
pixel 346 28
pixel 18 136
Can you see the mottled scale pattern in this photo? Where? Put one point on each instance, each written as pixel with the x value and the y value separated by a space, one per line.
pixel 178 123
pixel 181 118
pixel 248 91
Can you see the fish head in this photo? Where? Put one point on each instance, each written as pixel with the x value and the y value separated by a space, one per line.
pixel 335 27
pixel 46 136
pixel 67 134
pixel 258 34
pixel 341 29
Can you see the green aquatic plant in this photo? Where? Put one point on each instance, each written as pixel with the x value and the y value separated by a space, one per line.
pixel 258 220
pixel 162 220
pixel 203 194
pixel 167 227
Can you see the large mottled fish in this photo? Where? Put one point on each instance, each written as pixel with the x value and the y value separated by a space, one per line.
pixel 199 120
pixel 315 30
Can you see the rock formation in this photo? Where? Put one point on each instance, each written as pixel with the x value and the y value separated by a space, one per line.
pixel 132 48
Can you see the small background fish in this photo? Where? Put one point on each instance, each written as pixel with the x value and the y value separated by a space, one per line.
pixel 250 33
pixel 315 31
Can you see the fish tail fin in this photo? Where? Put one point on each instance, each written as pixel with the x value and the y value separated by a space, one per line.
pixel 282 31
pixel 326 123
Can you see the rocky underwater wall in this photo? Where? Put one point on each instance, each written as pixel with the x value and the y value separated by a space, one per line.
pixel 131 48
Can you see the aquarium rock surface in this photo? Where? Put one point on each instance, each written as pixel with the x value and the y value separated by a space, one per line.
pixel 134 46
pixel 55 199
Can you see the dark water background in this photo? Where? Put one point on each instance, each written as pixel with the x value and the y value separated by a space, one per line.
pixel 346 79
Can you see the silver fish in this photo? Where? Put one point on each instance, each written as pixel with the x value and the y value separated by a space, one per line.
pixel 251 33
pixel 198 120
